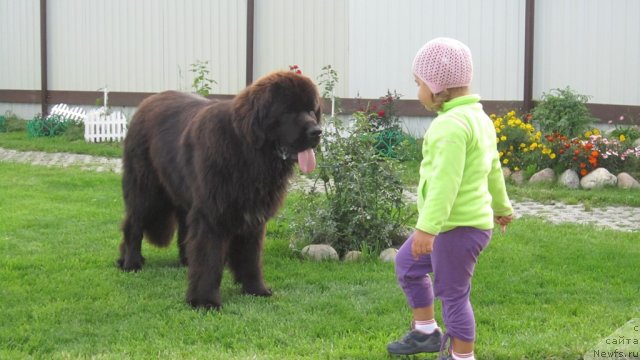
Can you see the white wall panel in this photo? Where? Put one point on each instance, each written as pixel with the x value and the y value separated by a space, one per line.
pixel 592 46
pixel 19 44
pixel 145 45
pixel 310 34
pixel 386 34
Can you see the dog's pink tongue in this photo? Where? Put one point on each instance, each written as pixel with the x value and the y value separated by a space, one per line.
pixel 307 161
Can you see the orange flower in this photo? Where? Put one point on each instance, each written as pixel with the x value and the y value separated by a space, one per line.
pixel 595 153
pixel 583 172
pixel 577 152
pixel 588 146
pixel 583 165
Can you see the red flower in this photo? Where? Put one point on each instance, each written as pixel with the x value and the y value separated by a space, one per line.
pixel 567 146
pixel 583 172
pixel 588 146
pixel 577 152
pixel 574 158
pixel 381 113
pixel 583 165
pixel 561 151
pixel 298 71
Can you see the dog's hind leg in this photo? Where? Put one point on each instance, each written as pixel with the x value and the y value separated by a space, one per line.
pixel 131 258
pixel 245 261
pixel 182 237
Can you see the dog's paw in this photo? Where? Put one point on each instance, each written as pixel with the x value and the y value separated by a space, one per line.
pixel 204 304
pixel 130 265
pixel 260 291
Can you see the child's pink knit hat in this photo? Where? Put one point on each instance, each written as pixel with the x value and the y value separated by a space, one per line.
pixel 444 63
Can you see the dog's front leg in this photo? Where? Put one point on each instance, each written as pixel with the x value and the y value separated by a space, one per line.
pixel 206 253
pixel 245 260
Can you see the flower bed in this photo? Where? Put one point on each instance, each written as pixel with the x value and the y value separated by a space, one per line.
pixel 523 147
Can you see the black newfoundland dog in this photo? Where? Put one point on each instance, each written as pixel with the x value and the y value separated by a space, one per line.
pixel 218 170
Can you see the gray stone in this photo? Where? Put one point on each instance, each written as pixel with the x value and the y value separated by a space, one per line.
pixel 626 181
pixel 517 177
pixel 353 256
pixel 543 176
pixel 388 255
pixel 636 143
pixel 320 252
pixel 570 179
pixel 598 178
pixel 506 172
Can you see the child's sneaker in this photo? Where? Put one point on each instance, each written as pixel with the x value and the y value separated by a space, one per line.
pixel 416 342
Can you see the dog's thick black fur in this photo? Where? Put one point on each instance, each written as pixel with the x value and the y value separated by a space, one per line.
pixel 216 170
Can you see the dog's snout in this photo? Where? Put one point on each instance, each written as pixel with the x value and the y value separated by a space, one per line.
pixel 314 131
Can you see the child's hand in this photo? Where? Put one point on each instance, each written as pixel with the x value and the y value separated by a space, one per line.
pixel 422 243
pixel 503 221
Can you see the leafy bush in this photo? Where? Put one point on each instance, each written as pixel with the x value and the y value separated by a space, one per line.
pixel 12 123
pixel 3 124
pixel 390 140
pixel 52 125
pixel 563 111
pixel 360 204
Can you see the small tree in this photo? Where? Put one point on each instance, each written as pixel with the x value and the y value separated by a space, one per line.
pixel 563 111
pixel 361 204
pixel 201 83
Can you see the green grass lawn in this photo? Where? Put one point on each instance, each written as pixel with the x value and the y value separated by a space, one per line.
pixel 19 140
pixel 540 291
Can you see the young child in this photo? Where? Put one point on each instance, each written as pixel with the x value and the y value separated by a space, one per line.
pixel 460 194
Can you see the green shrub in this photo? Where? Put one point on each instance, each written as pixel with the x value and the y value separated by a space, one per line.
pixel 12 123
pixel 563 111
pixel 356 201
pixel 3 124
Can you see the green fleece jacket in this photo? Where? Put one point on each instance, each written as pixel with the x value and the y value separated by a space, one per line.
pixel 461 181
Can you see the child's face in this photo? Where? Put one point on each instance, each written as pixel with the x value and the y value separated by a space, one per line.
pixel 424 94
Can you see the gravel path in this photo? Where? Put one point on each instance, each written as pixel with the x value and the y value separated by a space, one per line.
pixel 622 218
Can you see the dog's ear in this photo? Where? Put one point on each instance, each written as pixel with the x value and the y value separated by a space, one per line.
pixel 251 113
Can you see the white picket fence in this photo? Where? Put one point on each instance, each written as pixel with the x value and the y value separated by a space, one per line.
pixel 100 126
pixel 63 110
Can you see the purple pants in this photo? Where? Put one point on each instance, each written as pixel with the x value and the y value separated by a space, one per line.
pixel 452 261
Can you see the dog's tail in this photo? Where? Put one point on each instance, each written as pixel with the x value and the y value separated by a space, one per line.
pixel 159 231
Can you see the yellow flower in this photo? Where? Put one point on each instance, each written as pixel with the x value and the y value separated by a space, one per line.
pixel 501 153
pixel 518 121
pixel 622 137
pixel 533 146
pixel 505 161
pixel 552 156
pixel 497 140
pixel 596 132
pixel 503 138
pixel 588 133
pixel 498 131
pixel 516 168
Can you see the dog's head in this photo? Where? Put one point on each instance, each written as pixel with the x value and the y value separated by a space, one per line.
pixel 280 113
